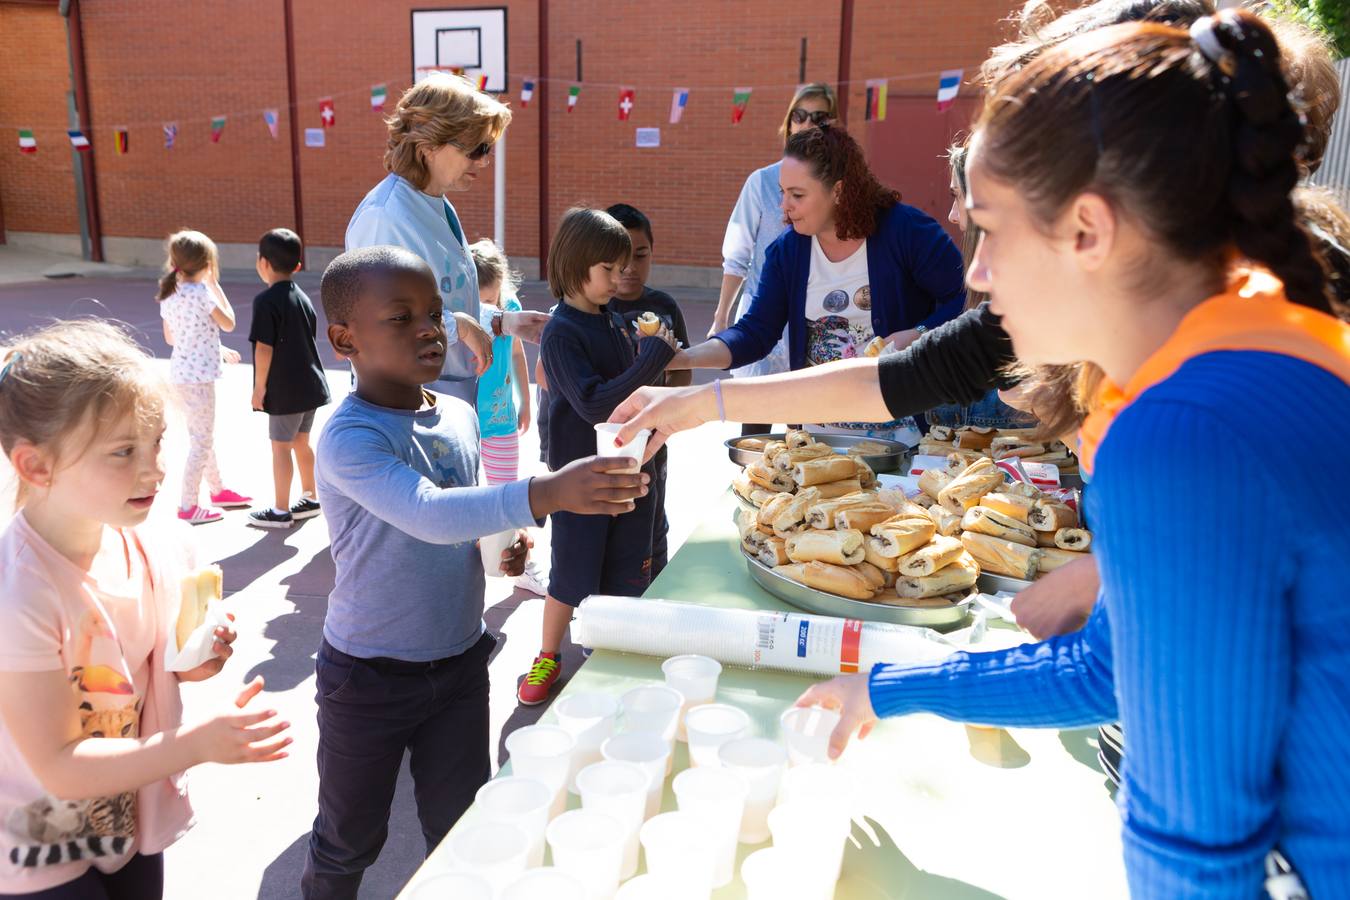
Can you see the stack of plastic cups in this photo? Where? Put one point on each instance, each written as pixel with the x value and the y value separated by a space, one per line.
pixel 548 881
pixel 543 752
pixel 589 845
pixel 812 835
pixel 806 733
pixel 494 851
pixel 520 801
pixel 717 798
pixel 695 677
pixel 679 850
pixel 649 887
pixel 710 726
pixel 653 707
pixel 618 789
pixel 589 718
pixel 650 752
pixel 460 885
pixel 760 762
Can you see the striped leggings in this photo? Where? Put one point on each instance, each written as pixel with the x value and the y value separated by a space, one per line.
pixel 199 404
pixel 501 458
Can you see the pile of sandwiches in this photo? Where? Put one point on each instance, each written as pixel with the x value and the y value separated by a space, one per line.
pixel 972 443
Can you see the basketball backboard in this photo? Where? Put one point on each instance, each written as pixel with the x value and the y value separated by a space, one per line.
pixel 470 41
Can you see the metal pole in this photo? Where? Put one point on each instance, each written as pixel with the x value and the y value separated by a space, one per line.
pixel 292 116
pixel 801 66
pixel 544 112
pixel 845 57
pixel 81 117
pixel 499 193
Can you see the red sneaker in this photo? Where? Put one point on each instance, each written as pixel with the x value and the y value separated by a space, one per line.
pixel 199 516
pixel 536 684
pixel 228 499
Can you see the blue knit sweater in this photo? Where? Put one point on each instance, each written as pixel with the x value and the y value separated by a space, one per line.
pixel 1221 640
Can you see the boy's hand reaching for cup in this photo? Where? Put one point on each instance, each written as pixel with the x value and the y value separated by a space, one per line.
pixel 851 696
pixel 515 556
pixel 592 486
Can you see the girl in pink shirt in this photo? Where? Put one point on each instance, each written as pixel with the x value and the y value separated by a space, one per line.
pixel 92 746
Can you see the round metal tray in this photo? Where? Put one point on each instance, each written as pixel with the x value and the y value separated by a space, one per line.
pixel 992 583
pixel 812 600
pixel 892 461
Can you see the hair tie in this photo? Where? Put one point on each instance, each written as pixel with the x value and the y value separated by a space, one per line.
pixel 9 364
pixel 1205 33
pixel 173 270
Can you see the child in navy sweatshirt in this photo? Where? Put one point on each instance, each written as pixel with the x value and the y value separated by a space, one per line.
pixel 592 365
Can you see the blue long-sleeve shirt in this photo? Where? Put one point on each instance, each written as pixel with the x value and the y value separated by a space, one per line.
pixel 915 276
pixel 1221 640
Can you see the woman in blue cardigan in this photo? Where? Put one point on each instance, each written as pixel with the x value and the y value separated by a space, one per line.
pixel 857 265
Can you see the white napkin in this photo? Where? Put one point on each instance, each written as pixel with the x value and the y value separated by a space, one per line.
pixel 197 649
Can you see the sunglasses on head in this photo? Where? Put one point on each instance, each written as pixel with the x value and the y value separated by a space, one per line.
pixel 476 153
pixel 819 118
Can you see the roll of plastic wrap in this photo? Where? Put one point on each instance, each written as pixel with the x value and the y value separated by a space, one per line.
pixel 756 639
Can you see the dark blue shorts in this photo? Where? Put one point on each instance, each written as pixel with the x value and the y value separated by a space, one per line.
pixel 602 554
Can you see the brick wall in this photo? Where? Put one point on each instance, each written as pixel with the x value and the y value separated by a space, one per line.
pixel 161 62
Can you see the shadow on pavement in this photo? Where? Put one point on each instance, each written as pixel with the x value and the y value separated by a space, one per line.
pixel 296 635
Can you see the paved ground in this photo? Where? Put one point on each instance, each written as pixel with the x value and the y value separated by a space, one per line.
pixel 253 821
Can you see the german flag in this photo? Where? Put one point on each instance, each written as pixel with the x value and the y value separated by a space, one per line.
pixel 120 141
pixel 876 101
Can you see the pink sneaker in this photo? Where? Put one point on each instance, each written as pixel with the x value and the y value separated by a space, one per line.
pixel 228 499
pixel 197 515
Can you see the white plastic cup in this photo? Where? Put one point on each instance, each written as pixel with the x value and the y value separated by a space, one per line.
pixel 589 717
pixel 618 789
pixel 772 874
pixel 495 851
pixel 548 881
pixel 695 677
pixel 806 733
pixel 679 849
pixel 491 547
pixel 812 835
pixel 710 726
pixel 760 762
pixel 543 752
pixel 653 707
pixel 650 887
pixel 717 798
pixel 650 753
pixel 520 801
pixel 460 885
pixel 606 432
pixel 589 845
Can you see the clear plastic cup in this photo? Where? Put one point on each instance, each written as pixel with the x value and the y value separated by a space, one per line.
pixel 650 887
pixel 679 849
pixel 652 707
pixel 606 432
pixel 589 717
pixel 543 752
pixel 760 762
pixel 495 851
pixel 491 547
pixel 589 845
pixel 772 874
pixel 716 797
pixel 695 677
pixel 548 881
pixel 650 753
pixel 814 782
pixel 618 789
pixel 806 733
pixel 710 726
pixel 520 801
pixel 812 834
pixel 460 885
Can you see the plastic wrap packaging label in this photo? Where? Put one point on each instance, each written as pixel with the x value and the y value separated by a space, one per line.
pixel 817 641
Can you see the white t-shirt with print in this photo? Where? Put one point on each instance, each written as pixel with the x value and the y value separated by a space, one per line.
pixel 196 337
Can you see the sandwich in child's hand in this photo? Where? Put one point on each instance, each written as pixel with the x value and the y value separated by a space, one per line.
pixel 199 614
pixel 648 324
pixel 198 590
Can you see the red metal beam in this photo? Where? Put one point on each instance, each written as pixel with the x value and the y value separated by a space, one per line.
pixel 85 116
pixel 845 56
pixel 297 201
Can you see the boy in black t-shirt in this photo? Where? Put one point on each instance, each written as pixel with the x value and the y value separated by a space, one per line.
pixel 288 380
pixel 635 298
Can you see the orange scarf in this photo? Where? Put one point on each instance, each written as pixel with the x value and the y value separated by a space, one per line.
pixel 1252 315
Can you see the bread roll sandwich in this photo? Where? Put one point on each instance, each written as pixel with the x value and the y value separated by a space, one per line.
pixel 875 577
pixel 960 460
pixel 773 551
pixel 1022 489
pixel 959 574
pixel 1053 557
pixel 752 443
pixel 1005 447
pixel 821 515
pixel 866 477
pixel 964 491
pixel 771 451
pixel 862 517
pixel 744 487
pixel 982 520
pixel 872 554
pixel 197 591
pixel 836 489
pixel 923 501
pixel 770 478
pixel 785 460
pixel 931 557
pixel 792 517
pixel 975 438
pixel 1001 556
pixel 843 548
pixel 932 481
pixel 1077 539
pixel 1045 539
pixel 798 438
pixel 824 470
pixel 934 448
pixel 870 448
pixel 901 535
pixel 874 347
pixel 841 580
pixel 648 324
pixel 1051 515
pixel 771 510
pixel 941 433
pixel 1013 506
pixel 948 523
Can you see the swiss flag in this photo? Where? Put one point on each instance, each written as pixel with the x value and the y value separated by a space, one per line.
pixel 625 103
pixel 326 112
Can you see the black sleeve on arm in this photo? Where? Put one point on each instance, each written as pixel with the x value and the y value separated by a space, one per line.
pixel 957 362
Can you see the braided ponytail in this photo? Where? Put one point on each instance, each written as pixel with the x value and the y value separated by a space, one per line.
pixel 1267 136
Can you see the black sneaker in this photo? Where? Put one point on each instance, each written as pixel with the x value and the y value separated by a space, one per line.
pixel 269 518
pixel 305 508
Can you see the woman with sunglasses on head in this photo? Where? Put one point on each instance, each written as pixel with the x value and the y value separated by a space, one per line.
pixel 441 136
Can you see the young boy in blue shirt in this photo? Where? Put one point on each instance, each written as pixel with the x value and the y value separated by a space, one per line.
pixel 403 665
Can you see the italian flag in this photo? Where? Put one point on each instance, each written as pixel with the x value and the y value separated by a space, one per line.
pixel 378 94
pixel 740 97
pixel 217 126
pixel 27 143
pixel 572 93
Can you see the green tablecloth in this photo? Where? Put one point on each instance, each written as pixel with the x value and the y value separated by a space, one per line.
pixel 941 810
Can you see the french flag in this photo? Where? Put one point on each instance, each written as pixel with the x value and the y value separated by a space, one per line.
pixel 677 104
pixel 948 87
